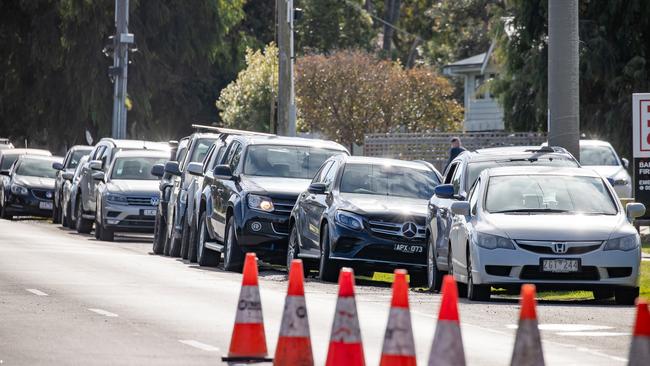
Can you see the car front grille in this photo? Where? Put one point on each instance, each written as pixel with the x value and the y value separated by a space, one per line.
pixel 393 230
pixel 283 206
pixel 547 247
pixel 41 194
pixel 587 273
pixel 281 227
pixel 138 221
pixel 139 201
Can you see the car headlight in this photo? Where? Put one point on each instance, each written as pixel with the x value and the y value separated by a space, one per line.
pixel 116 199
pixel 489 241
pixel 349 220
pixel 261 203
pixel 17 189
pixel 626 243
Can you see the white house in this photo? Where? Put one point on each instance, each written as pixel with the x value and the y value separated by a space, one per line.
pixel 482 111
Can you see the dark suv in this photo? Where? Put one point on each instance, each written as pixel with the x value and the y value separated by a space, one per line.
pixel 69 164
pixel 459 178
pixel 367 213
pixel 253 191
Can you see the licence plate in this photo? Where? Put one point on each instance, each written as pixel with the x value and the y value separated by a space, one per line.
pixel 149 212
pixel 560 265
pixel 45 205
pixel 407 248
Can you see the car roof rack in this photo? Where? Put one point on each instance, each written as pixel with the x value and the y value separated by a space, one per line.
pixel 543 149
pixel 228 131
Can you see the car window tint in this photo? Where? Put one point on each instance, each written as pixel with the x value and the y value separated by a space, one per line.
pixel 7 161
pixel 74 157
pixel 331 174
pixel 387 180
pixel 450 172
pixel 236 157
pixel 587 195
pixel 473 196
pixel 200 149
pixel 286 161
pixel 36 168
pixel 319 177
pixel 455 180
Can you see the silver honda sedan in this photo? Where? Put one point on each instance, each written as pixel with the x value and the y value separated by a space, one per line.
pixel 559 228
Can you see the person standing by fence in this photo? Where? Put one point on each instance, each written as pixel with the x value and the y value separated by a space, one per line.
pixel 456 149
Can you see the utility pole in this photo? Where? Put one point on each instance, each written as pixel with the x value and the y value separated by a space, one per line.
pixel 563 76
pixel 286 98
pixel 119 71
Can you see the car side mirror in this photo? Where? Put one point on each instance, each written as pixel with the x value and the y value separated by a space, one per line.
pixel 444 191
pixel 626 163
pixel 158 170
pixel 223 172
pixel 195 168
pixel 634 210
pixel 460 208
pixel 95 165
pixel 67 175
pixel 171 167
pixel 57 166
pixel 317 188
pixel 4 172
pixel 99 176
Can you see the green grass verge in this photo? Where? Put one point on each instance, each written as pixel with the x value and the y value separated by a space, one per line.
pixel 645 247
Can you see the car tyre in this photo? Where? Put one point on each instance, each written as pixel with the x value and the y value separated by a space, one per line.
pixel 56 214
pixel 233 257
pixel 174 243
pixel 626 295
pixel 158 235
pixel 462 288
pixel 293 249
pixel 434 276
pixel 192 245
pixel 476 292
pixel 83 226
pixel 106 234
pixel 4 214
pixel 327 269
pixel 185 239
pixel 204 256
pixel 65 220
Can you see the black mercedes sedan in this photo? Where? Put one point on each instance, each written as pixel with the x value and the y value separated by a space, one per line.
pixel 30 190
pixel 365 213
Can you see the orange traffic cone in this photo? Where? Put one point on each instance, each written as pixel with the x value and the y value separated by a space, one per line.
pixel 528 344
pixel 248 343
pixel 345 341
pixel 399 347
pixel 640 349
pixel 447 348
pixel 294 345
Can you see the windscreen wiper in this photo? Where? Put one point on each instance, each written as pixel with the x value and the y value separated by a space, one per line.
pixel 551 210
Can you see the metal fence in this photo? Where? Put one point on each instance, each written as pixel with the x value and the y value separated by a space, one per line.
pixel 434 147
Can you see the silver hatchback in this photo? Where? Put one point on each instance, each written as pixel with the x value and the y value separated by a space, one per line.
pixel 559 228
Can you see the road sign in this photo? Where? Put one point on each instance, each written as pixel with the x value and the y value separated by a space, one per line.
pixel 641 148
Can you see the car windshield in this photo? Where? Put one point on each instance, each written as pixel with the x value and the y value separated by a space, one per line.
pixel 201 148
pixel 36 168
pixel 475 169
pixel 388 180
pixel 135 168
pixel 300 162
pixel 7 160
pixel 549 193
pixel 598 155
pixel 76 156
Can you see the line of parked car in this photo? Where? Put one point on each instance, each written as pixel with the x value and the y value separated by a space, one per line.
pixel 496 218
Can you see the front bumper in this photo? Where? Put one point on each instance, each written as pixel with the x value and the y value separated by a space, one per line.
pixel 375 251
pixel 30 204
pixel 263 233
pixel 598 269
pixel 129 218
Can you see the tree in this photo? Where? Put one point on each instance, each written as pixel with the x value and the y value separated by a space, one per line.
pixel 351 93
pixel 247 102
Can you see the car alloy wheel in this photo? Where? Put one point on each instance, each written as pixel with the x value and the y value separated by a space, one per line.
pixel 192 245
pixel 434 276
pixel 292 251
pixel 158 238
pixel 328 270
pixel 475 292
pixel 233 255
pixel 204 256
pixel 462 288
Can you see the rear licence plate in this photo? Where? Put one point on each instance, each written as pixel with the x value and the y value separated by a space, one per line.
pixel 408 248
pixel 45 205
pixel 561 265
pixel 149 212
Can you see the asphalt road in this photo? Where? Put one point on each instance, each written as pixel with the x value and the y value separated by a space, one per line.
pixel 68 299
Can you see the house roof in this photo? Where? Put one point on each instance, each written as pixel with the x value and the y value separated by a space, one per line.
pixel 476 63
pixel 476 60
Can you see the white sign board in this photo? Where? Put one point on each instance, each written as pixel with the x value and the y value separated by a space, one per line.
pixel 641 125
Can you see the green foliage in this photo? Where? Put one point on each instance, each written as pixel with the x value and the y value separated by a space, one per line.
pixel 247 102
pixel 351 93
pixel 328 25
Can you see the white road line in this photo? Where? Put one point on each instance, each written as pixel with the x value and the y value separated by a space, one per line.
pixel 104 312
pixel 199 345
pixel 593 334
pixel 36 292
pixel 567 327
